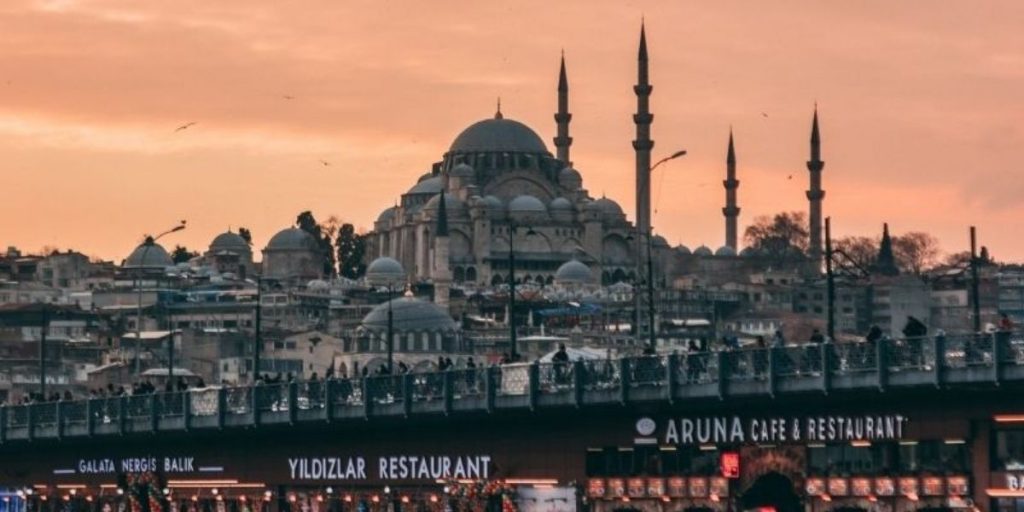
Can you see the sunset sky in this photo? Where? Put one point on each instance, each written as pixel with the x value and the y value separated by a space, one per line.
pixel 921 105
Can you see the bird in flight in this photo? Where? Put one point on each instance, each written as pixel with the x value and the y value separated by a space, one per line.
pixel 184 126
pixel 790 177
pixel 288 97
pixel 325 163
pixel 764 114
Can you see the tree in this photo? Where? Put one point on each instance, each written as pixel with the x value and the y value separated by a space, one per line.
pixel 782 237
pixel 308 223
pixel 855 254
pixel 915 251
pixel 246 235
pixel 351 251
pixel 181 255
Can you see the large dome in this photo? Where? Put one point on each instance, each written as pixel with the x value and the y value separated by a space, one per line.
pixel 229 241
pixel 428 186
pixel 526 204
pixel 292 239
pixel 498 135
pixel 409 314
pixel 148 255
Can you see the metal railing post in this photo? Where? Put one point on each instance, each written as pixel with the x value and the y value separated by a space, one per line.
pixel 671 377
pixel 999 339
pixel 3 424
pixel 577 382
pixel 60 419
pixel 122 414
pixel 256 402
pixel 773 370
pixel 882 363
pixel 624 380
pixel 406 381
pixel 154 412
pixel 723 372
pixel 29 409
pixel 329 391
pixel 367 397
pixel 491 387
pixel 827 356
pixel 939 360
pixel 448 388
pixel 533 374
pixel 293 401
pixel 222 407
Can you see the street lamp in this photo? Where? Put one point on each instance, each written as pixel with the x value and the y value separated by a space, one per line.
pixel 149 242
pixel 650 263
pixel 258 338
pixel 513 354
pixel 387 272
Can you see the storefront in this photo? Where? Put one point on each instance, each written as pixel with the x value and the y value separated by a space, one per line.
pixel 813 455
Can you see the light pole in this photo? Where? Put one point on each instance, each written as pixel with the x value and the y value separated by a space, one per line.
pixel 641 243
pixel 149 242
pixel 513 354
pixel 258 339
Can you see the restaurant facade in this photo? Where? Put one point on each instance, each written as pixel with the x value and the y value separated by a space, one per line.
pixel 928 449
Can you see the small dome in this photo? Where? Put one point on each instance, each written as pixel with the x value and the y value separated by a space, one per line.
pixel 452 204
pixel 494 203
pixel 409 314
pixel 385 271
pixel 573 272
pixel 292 239
pixel 608 206
pixel 463 170
pixel 683 249
pixel 702 251
pixel 526 204
pixel 318 284
pixel 725 250
pixel 387 214
pixel 560 203
pixel 228 241
pixel 748 251
pixel 432 185
pixel 148 255
pixel 498 135
pixel 659 241
pixel 570 176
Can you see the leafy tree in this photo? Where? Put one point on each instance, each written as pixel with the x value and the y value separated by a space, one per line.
pixel 782 237
pixel 181 255
pixel 855 254
pixel 915 251
pixel 246 235
pixel 351 251
pixel 308 223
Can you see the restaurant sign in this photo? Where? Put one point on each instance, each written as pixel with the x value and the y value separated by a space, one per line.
pixel 801 429
pixel 391 467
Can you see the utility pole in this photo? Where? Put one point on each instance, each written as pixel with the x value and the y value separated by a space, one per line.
pixel 513 354
pixel 975 294
pixel 830 281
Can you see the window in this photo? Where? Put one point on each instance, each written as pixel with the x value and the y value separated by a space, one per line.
pixel 1008 450
pixel 934 456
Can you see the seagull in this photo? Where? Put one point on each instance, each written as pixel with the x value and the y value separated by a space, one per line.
pixel 325 162
pixel 288 97
pixel 184 126
pixel 764 114
pixel 790 177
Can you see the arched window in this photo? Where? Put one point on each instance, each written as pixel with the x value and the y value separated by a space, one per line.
pixel 459 275
pixel 497 279
pixel 471 274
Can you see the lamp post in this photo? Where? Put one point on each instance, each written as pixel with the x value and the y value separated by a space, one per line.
pixel 258 338
pixel 149 242
pixel 513 353
pixel 641 244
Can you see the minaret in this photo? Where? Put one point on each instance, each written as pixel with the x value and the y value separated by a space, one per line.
pixel 441 273
pixel 642 146
pixel 562 117
pixel 731 210
pixel 815 194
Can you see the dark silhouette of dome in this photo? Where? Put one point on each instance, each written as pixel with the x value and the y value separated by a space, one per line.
pixel 409 314
pixel 498 135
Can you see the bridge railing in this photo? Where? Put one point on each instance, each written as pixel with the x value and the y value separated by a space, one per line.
pixel 976 358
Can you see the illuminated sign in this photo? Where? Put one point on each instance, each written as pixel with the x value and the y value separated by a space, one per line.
pixel 934 486
pixel 617 487
pixel 860 486
pixel 637 488
pixel 677 487
pixel 885 486
pixel 815 486
pixel 395 467
pixel 729 463
pixel 909 486
pixel 838 486
pixel 956 485
pixel 719 486
pixel 735 429
pixel 134 465
pixel 698 487
pixel 596 488
pixel 655 487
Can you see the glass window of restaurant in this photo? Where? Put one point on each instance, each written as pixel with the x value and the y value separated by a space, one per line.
pixel 1008 450
pixel 939 457
pixel 650 461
